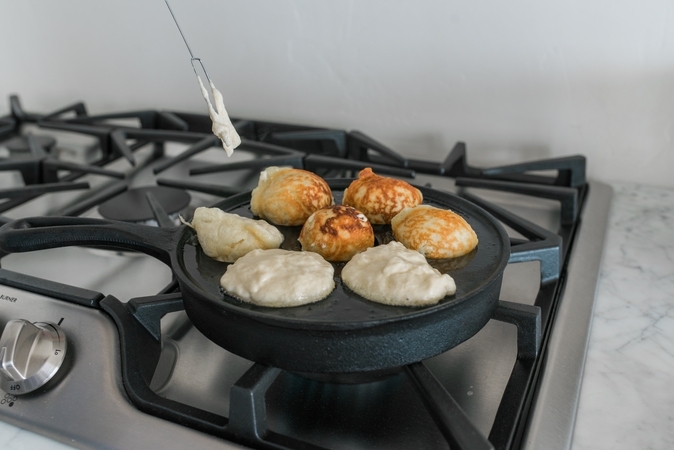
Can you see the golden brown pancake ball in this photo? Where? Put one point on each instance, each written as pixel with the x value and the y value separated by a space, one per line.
pixel 380 198
pixel 337 233
pixel 435 233
pixel 287 196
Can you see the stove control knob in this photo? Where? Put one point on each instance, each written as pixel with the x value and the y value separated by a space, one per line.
pixel 30 355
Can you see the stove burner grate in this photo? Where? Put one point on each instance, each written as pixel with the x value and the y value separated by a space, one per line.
pixel 21 144
pixel 138 322
pixel 328 152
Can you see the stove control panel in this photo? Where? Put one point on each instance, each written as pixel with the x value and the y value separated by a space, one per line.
pixel 30 355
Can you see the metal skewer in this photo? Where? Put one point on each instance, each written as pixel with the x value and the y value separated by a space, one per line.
pixel 192 57
pixel 222 125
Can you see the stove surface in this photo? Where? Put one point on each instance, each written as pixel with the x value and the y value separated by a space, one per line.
pixel 88 403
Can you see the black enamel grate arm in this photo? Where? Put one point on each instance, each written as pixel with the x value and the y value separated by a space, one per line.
pixel 51 167
pixel 247 405
pixel 148 311
pixel 44 188
pixel 518 392
pixel 571 169
pixel 567 197
pixel 158 211
pixel 332 142
pixel 314 162
pixel 308 162
pixel 360 145
pixel 543 245
pixel 95 199
pixel 206 188
pixel 101 133
pixel 7 126
pixel 455 426
pixel 53 289
pixel 293 159
pixel 138 322
pixel 18 113
pixel 527 318
pixel 194 149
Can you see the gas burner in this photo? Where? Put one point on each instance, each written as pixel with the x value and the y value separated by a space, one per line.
pixel 133 205
pixel 20 144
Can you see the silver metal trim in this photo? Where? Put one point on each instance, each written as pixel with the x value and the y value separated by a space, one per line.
pixel 553 413
pixel 30 355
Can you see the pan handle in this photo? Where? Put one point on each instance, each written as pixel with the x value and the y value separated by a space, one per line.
pixel 39 233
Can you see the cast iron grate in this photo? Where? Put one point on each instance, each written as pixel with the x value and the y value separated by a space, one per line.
pixel 138 322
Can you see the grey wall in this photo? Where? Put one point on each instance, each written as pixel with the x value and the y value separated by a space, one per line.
pixel 515 80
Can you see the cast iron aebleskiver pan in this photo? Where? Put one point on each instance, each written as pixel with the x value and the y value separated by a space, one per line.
pixel 343 333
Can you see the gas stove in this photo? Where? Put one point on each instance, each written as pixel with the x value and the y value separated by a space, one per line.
pixel 138 373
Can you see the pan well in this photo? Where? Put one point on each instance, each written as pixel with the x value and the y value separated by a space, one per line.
pixel 471 272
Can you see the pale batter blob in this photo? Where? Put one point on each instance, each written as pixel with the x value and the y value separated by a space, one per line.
pixel 279 278
pixel 394 275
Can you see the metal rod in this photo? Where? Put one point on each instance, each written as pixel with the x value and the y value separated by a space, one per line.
pixel 179 29
pixel 192 57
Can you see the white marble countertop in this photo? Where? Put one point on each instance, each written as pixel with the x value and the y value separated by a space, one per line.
pixel 626 400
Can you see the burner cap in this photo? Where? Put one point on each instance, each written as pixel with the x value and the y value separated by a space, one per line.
pixel 132 205
pixel 19 144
